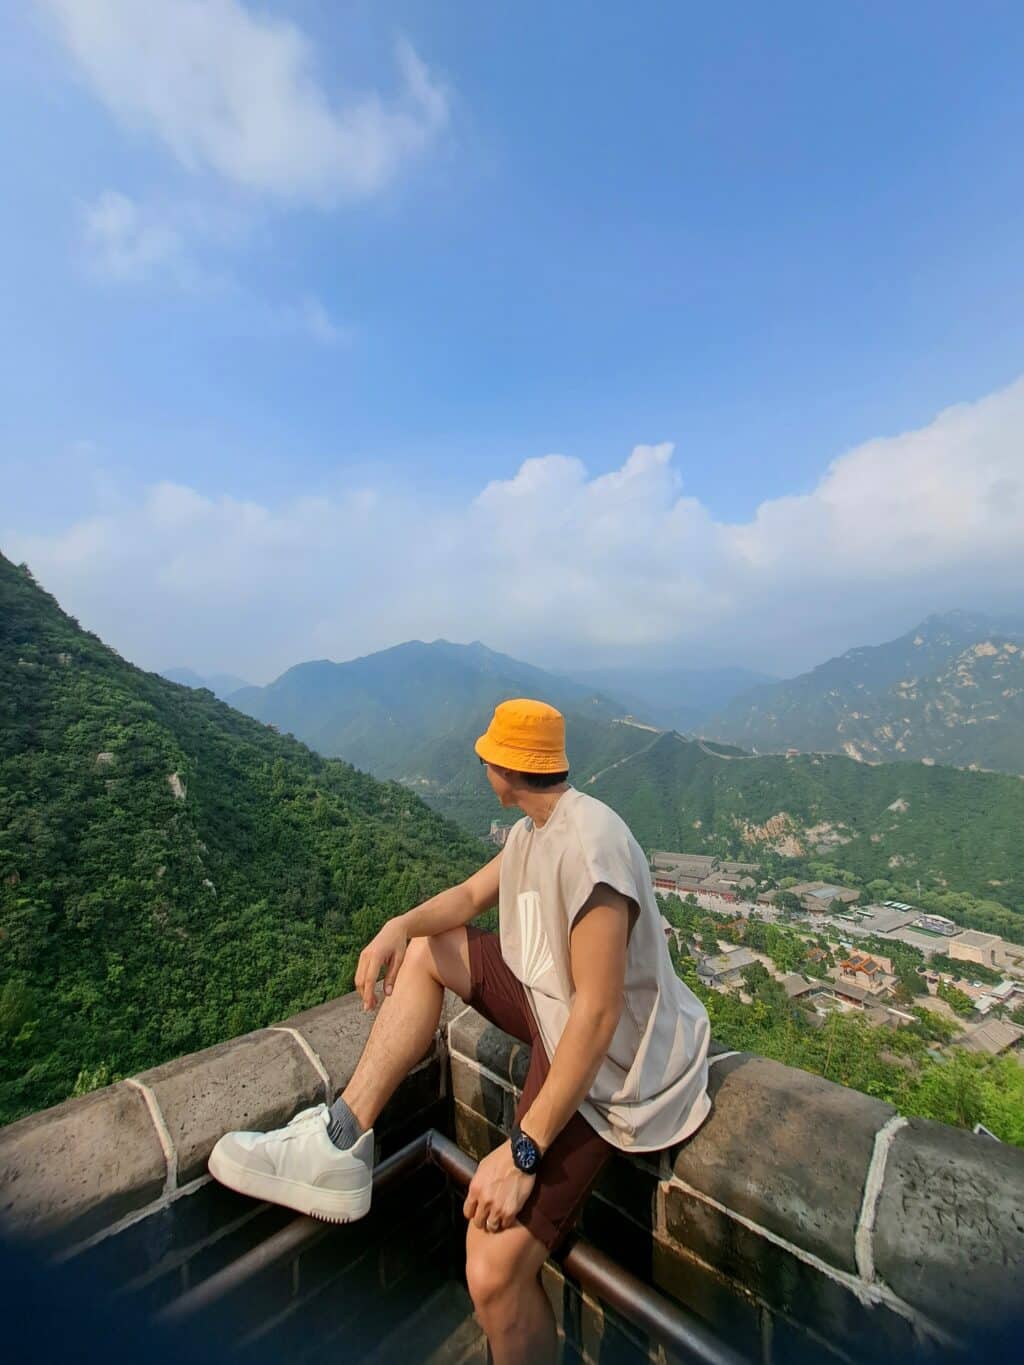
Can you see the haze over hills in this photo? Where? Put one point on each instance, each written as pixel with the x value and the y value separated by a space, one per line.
pixel 674 698
pixel 220 684
pixel 892 823
pixel 950 691
pixel 172 872
pixel 413 711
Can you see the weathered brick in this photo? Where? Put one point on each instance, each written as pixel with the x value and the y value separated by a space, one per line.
pixel 478 1092
pixel 158 1245
pixel 255 1082
pixel 473 1036
pixel 778 1277
pixel 416 1093
pixel 474 1134
pixel 631 1188
pixel 949 1227
pixel 771 1150
pixel 732 1315
pixel 72 1170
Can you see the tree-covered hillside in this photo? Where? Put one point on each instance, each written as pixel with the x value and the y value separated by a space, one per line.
pixel 950 691
pixel 412 713
pixel 955 831
pixel 171 871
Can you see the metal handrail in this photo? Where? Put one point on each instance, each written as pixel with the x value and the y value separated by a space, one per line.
pixel 642 1305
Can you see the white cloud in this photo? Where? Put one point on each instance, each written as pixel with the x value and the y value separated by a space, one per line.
pixel 127 243
pixel 312 318
pixel 558 566
pixel 235 92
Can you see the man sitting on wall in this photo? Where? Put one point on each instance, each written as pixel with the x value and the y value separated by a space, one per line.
pixel 580 971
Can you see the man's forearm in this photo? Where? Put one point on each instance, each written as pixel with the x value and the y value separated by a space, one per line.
pixel 445 911
pixel 581 1049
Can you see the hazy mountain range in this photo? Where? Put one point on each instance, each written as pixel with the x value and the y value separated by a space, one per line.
pixel 949 691
pixel 173 872
pixel 220 684
pixel 412 713
pixel 673 698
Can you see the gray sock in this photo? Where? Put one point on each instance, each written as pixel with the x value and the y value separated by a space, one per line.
pixel 343 1129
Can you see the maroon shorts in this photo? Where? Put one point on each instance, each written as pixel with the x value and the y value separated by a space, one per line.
pixel 574 1160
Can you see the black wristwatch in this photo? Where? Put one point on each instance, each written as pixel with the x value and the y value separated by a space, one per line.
pixel 525 1152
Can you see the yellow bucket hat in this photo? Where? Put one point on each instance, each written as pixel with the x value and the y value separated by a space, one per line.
pixel 526 736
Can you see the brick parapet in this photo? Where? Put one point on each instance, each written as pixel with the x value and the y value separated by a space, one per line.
pixel 89 1166
pixel 802 1213
pixel 802 1220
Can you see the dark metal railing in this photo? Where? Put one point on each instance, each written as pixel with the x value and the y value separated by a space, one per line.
pixel 667 1322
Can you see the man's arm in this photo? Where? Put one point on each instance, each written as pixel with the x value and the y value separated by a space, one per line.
pixel 597 951
pixel 458 905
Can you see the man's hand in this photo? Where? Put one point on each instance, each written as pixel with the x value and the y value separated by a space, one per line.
pixel 498 1191
pixel 387 950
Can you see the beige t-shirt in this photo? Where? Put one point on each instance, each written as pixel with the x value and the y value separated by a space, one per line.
pixel 651 1089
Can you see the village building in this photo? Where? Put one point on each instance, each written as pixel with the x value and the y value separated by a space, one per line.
pixel 796 985
pixel 724 969
pixel 851 994
pixel 994 1036
pixel 685 874
pixel 974 946
pixel 874 974
pixel 817 897
pixel 938 924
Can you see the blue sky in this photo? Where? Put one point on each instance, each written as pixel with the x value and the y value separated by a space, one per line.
pixel 299 259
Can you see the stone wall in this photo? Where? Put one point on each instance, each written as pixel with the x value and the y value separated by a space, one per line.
pixel 74 1173
pixel 804 1221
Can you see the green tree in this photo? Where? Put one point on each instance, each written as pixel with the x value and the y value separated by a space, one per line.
pixel 955 999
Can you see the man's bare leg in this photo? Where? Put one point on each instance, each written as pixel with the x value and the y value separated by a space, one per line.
pixel 502 1271
pixel 407 1020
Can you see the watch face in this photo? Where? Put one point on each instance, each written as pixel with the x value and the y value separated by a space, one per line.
pixel 524 1153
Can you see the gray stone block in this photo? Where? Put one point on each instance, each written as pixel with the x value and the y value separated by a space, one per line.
pixel 788 1150
pixel 734 1316
pixel 337 1033
pixel 474 1134
pixel 415 1095
pixel 784 1281
pixel 949 1227
pixel 475 1037
pixel 75 1169
pixel 255 1082
pixel 479 1093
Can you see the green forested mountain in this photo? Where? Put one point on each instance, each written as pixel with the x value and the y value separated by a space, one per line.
pixel 172 872
pixel 955 832
pixel 413 712
pixel 950 691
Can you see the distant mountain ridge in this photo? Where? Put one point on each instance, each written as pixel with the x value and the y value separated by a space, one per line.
pixel 220 684
pixel 412 712
pixel 950 691
pixel 674 698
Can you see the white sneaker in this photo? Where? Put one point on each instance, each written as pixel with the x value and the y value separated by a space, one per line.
pixel 300 1167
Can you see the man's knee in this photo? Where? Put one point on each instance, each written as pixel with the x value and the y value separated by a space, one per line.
pixel 489 1272
pixel 443 956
